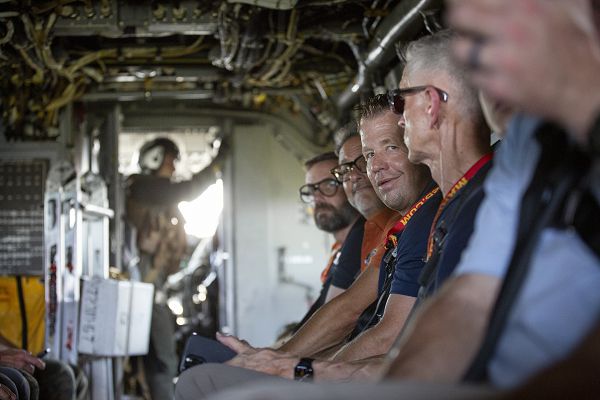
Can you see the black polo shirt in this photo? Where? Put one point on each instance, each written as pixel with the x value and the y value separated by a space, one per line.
pixel 348 260
pixel 348 264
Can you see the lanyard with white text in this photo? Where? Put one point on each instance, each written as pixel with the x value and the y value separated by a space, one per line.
pixel 391 239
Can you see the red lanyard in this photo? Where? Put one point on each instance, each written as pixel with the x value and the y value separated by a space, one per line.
pixel 452 192
pixel 392 240
pixel 335 249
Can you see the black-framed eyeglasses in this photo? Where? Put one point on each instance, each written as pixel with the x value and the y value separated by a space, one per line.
pixel 328 187
pixel 342 171
pixel 396 96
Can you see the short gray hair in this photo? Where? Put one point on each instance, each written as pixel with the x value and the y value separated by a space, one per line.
pixel 434 53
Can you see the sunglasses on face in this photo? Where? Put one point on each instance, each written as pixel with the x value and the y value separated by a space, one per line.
pixel 396 96
pixel 328 187
pixel 342 171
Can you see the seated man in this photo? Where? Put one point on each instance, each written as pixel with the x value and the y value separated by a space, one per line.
pixel 332 213
pixel 448 133
pixel 351 171
pixel 539 315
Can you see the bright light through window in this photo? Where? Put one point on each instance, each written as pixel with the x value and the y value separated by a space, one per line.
pixel 202 214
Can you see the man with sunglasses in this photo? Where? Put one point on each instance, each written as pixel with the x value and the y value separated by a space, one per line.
pixel 448 134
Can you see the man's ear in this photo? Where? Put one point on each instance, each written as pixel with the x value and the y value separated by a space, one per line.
pixel 433 107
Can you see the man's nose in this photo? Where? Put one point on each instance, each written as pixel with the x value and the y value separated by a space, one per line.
pixel 377 163
pixel 355 175
pixel 319 197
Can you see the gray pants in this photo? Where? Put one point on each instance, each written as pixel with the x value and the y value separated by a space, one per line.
pixel 203 380
pixel 238 383
pixel 357 391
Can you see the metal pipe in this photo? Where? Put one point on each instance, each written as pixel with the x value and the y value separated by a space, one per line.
pixel 198 94
pixel 401 20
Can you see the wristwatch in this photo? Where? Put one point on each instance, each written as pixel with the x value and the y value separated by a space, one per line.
pixel 303 371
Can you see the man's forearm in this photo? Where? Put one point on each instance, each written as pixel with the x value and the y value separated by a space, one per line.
pixel 379 339
pixel 441 341
pixel 361 370
pixel 326 328
pixel 336 319
pixel 372 342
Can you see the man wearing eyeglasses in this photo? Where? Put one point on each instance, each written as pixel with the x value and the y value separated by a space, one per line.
pixel 332 213
pixel 352 172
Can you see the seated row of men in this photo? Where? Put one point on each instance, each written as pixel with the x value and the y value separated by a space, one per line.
pixel 466 271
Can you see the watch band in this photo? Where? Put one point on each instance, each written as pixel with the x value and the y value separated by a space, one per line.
pixel 303 371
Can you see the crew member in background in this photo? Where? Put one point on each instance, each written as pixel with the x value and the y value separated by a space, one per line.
pixel 152 208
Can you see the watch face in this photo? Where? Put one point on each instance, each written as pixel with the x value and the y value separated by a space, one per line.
pixel 303 371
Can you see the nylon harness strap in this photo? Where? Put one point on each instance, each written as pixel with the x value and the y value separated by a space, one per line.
pixel 557 174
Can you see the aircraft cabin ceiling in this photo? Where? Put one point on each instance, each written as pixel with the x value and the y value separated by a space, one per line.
pixel 310 58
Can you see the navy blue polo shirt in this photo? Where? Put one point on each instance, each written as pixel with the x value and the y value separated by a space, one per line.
pixel 458 219
pixel 348 264
pixel 412 248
